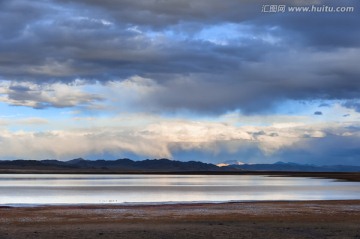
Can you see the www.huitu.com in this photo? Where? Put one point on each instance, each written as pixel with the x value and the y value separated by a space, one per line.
pixel 311 8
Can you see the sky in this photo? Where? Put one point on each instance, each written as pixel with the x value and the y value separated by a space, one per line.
pixel 202 80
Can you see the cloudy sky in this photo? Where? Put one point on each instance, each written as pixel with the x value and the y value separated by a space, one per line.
pixel 201 80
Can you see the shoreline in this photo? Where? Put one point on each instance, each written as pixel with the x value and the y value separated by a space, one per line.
pixel 148 211
pixel 341 176
pixel 275 219
pixel 130 205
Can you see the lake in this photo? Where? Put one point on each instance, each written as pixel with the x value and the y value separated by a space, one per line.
pixel 35 189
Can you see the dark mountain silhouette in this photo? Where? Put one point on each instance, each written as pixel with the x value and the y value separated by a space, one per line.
pixel 159 165
pixel 126 165
pixel 146 165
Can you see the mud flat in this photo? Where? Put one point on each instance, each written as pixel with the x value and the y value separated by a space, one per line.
pixel 305 219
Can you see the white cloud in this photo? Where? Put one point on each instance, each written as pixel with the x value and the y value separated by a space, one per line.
pixel 68 144
pixel 58 95
pixel 95 20
pixel 153 136
pixel 145 134
pixel 112 96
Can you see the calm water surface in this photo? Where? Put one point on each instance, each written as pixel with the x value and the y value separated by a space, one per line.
pixel 35 189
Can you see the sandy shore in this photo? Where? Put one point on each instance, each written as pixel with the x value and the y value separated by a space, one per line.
pixel 312 219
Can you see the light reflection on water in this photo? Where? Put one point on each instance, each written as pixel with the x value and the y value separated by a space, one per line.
pixel 88 189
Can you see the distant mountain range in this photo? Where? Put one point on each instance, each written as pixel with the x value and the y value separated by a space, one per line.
pixel 294 167
pixel 161 165
pixel 120 165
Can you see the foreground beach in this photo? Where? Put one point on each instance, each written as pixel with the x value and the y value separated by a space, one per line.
pixel 310 219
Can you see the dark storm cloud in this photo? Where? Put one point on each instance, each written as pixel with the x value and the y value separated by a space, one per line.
pixel 330 150
pixel 314 28
pixel 258 85
pixel 322 30
pixel 318 113
pixel 16 14
pixel 352 104
pixel 162 14
pixel 63 49
pixel 279 56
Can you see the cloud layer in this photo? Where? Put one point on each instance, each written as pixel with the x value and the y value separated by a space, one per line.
pixel 179 61
pixel 224 55
pixel 147 136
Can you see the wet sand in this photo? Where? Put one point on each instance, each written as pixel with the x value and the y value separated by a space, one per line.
pixel 306 219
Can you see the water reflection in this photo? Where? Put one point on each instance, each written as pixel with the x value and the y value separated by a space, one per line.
pixel 78 189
